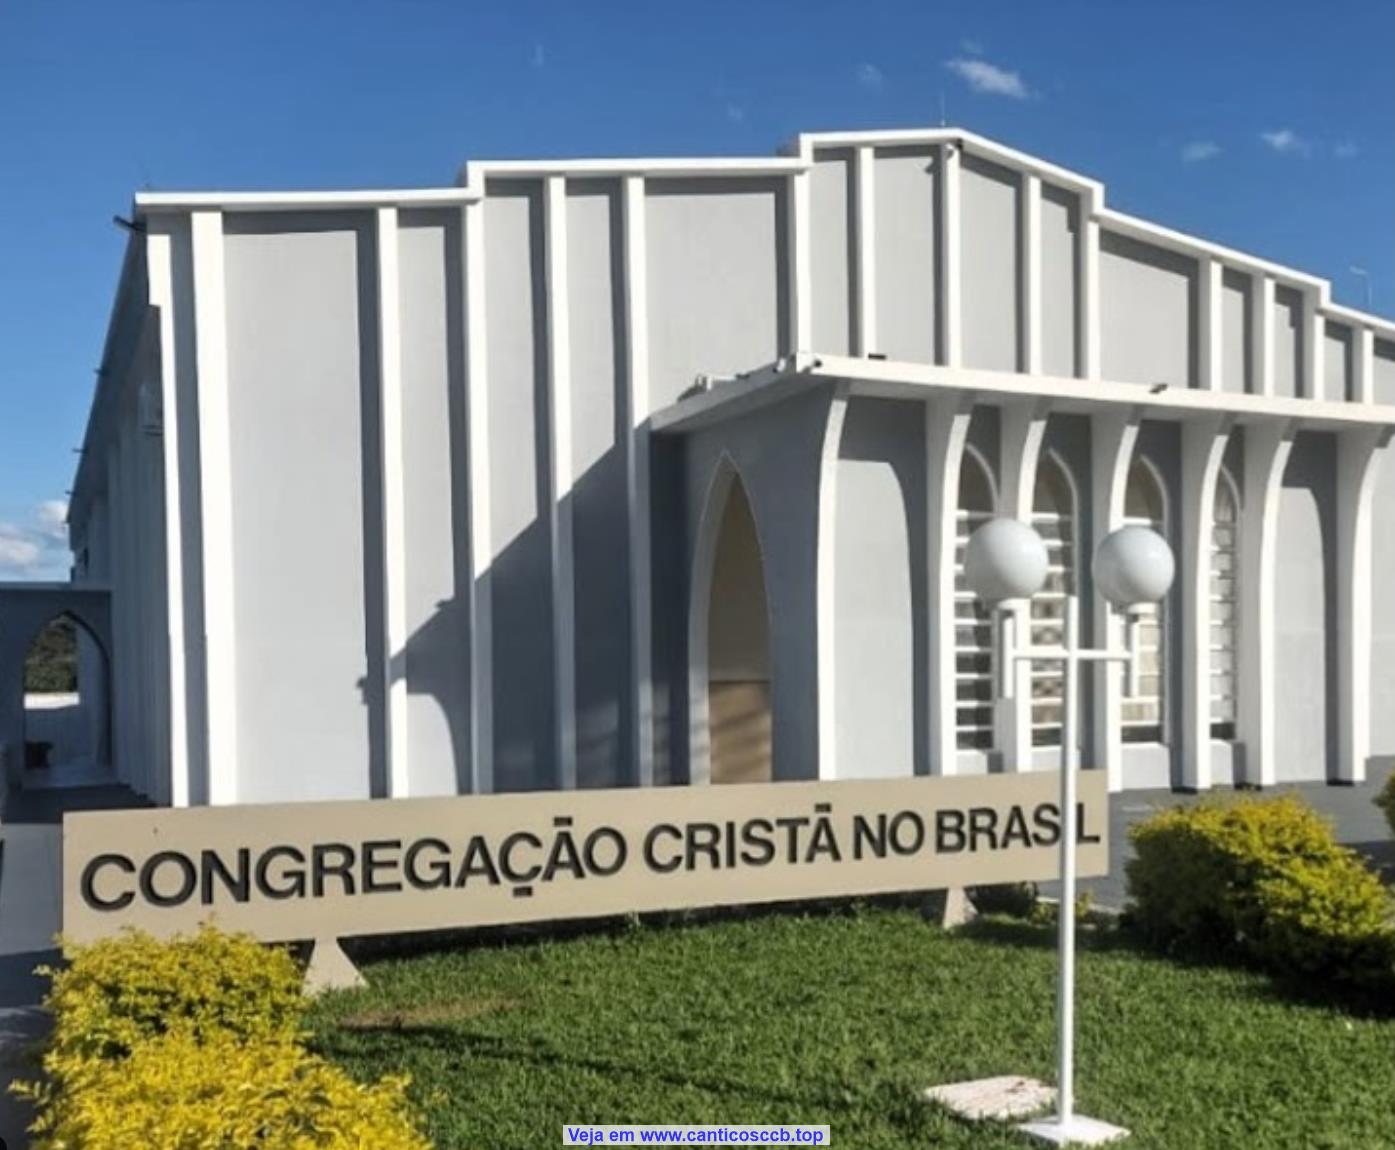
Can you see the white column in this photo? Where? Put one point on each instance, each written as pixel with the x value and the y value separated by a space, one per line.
pixel 950 295
pixel 1262 334
pixel 1113 436
pixel 1088 313
pixel 1267 448
pixel 865 246
pixel 394 509
pixel 1315 349
pixel 1203 447
pixel 215 453
pixel 481 541
pixel 801 310
pixel 946 428
pixel 160 272
pixel 1030 290
pixel 1021 430
pixel 1358 459
pixel 826 589
pixel 637 482
pixel 560 517
pixel 1363 351
pixel 1210 338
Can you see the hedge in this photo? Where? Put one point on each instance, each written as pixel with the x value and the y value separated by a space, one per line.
pixel 1385 799
pixel 1264 881
pixel 195 1044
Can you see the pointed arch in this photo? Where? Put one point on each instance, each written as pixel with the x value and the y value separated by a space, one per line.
pixel 69 721
pixel 1056 516
pixel 973 620
pixel 729 664
pixel 1145 714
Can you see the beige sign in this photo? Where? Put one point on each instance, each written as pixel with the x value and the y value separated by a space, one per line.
pixel 326 870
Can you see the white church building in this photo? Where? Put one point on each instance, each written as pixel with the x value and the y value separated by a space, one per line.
pixel 591 473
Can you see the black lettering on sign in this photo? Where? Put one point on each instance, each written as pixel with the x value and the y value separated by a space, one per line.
pixel 983 824
pixel 331 860
pixel 1047 819
pixel 89 883
pixel 1081 834
pixel 188 878
pixel 287 883
pixel 374 864
pixel 758 842
pixel 651 842
pixel 950 838
pixel 869 838
pixel 436 873
pixel 238 884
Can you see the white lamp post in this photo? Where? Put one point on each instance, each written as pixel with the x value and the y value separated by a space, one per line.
pixel 1006 560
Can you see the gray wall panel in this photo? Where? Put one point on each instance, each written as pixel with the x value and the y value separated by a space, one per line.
pixel 595 293
pixel 717 297
pixel 990 226
pixel 1147 313
pixel 1336 362
pixel 1288 341
pixel 1060 216
pixel 879 606
pixel 1383 371
pixel 1304 611
pixel 905 254
pixel 524 716
pixel 436 658
pixel 1383 603
pixel 831 259
pixel 1235 331
pixel 300 367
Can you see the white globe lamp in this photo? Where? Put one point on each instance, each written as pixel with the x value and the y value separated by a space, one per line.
pixel 1005 559
pixel 1133 566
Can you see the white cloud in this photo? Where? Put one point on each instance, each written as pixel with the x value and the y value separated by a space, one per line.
pixel 1346 149
pixel 1286 142
pixel 988 78
pixel 870 76
pixel 38 547
pixel 1199 150
pixel 736 113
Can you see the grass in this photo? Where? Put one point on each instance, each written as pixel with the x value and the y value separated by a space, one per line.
pixel 843 1020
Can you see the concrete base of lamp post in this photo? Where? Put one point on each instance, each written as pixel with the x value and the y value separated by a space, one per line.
pixel 1074 1131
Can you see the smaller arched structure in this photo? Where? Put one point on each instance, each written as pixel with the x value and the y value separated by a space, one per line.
pixel 729 661
pixel 1146 713
pixel 25 610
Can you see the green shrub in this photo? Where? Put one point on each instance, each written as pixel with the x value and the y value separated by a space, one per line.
pixel 1013 899
pixel 120 991
pixel 1261 880
pixel 179 1093
pixel 1385 799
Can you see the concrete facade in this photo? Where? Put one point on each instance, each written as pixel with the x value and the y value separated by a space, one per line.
pixel 426 492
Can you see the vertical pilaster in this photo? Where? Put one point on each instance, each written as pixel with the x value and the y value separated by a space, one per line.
pixel 865 245
pixel 1210 341
pixel 1358 459
pixel 393 505
pixel 1315 349
pixel 946 429
pixel 950 294
pixel 216 511
pixel 1267 449
pixel 801 309
pixel 1262 334
pixel 1022 429
pixel 1030 264
pixel 1088 313
pixel 560 516
pixel 481 541
pixel 1113 436
pixel 637 498
pixel 160 274
pixel 827 575
pixel 1363 352
pixel 1203 447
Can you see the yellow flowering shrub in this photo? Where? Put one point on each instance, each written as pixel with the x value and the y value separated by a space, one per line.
pixel 179 1093
pixel 1263 880
pixel 120 991
pixel 1385 799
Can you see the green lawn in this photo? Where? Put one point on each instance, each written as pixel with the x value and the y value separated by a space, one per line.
pixel 844 1020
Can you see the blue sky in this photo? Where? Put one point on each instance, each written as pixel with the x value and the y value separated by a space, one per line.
pixel 1269 127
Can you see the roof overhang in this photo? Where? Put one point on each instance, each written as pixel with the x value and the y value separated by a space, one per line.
pixel 897 379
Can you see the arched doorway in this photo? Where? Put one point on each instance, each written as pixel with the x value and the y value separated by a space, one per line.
pixel 66 705
pixel 729 642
